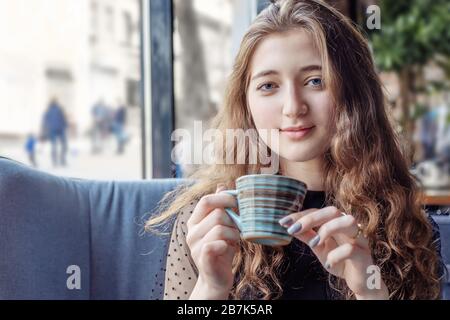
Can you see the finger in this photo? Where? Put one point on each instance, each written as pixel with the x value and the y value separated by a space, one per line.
pixel 290 219
pixel 344 252
pixel 314 219
pixel 230 235
pixel 215 248
pixel 306 237
pixel 219 232
pixel 208 203
pixel 211 250
pixel 345 225
pixel 216 217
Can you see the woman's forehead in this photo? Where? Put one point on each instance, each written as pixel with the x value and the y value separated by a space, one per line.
pixel 287 51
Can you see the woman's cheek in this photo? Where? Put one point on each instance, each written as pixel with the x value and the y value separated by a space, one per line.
pixel 264 112
pixel 321 109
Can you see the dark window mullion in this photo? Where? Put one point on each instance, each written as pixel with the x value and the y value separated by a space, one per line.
pixel 162 88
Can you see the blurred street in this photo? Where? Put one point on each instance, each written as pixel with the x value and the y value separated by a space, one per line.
pixel 81 162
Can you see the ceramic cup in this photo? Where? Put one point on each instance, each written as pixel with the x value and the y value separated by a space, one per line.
pixel 263 199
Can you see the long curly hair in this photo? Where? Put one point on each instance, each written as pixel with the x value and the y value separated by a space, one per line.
pixel 366 171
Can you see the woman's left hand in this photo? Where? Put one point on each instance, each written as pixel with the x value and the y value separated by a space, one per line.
pixel 339 245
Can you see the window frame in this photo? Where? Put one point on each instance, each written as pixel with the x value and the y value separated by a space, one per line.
pixel 157 96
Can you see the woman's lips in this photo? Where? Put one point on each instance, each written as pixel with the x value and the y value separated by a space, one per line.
pixel 297 134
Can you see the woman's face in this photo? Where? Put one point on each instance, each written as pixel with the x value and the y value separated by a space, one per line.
pixel 286 93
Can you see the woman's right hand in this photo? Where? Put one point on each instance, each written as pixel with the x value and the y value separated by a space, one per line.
pixel 213 240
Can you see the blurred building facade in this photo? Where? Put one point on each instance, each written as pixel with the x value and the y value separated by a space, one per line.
pixel 77 51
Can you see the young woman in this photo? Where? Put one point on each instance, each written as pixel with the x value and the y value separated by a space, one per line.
pixel 305 71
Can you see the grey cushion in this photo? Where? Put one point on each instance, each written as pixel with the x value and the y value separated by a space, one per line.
pixel 49 223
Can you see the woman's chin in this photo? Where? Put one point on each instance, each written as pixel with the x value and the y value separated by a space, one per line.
pixel 297 156
pixel 303 151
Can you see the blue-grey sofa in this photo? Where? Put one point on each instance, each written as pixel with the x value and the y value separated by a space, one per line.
pixel 65 238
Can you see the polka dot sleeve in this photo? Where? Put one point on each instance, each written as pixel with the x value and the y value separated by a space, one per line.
pixel 181 272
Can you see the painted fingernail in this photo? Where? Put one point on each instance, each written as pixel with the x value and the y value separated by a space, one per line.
pixel 286 221
pixel 296 227
pixel 327 265
pixel 314 241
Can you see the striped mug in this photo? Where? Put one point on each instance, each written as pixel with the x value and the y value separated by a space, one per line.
pixel 263 199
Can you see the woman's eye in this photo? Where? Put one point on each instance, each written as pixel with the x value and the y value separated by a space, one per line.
pixel 316 82
pixel 267 86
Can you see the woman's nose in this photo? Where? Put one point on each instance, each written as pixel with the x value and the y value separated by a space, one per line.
pixel 294 105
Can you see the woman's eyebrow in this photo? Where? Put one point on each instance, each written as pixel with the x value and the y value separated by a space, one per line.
pixel 312 67
pixel 263 74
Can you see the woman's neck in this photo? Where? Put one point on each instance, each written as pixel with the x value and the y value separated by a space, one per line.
pixel 310 172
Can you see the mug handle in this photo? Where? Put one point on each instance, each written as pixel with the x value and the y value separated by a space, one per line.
pixel 233 215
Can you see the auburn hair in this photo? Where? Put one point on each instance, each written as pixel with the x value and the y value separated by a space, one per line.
pixel 366 172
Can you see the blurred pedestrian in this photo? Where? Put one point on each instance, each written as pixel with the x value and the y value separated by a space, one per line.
pixel 55 126
pixel 119 121
pixel 30 147
pixel 428 133
pixel 443 132
pixel 100 125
